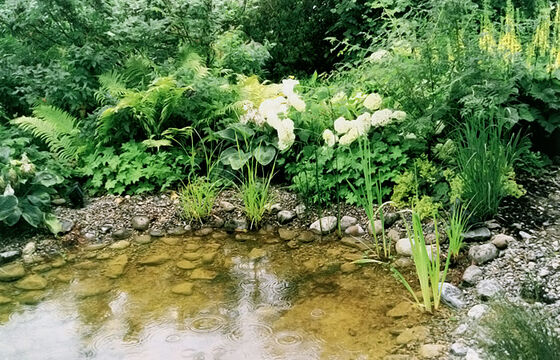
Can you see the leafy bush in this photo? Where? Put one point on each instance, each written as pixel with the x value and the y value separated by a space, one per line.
pixel 521 333
pixel 234 52
pixel 133 169
pixel 28 178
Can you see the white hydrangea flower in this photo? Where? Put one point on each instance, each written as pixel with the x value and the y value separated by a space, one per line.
pixel 381 118
pixel 330 138
pixel 287 88
pixel 286 136
pixel 358 96
pixel 399 115
pixel 271 108
pixel 362 123
pixel 373 101
pixel 295 101
pixel 349 137
pixel 342 126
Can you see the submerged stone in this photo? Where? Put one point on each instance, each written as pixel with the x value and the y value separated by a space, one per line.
pixel 170 240
pixel 119 245
pixel 186 265
pixel 92 287
pixel 58 262
pixel 203 274
pixel 257 253
pixel 209 258
pixel 41 268
pixel 156 259
pixel 12 272
pixel 31 297
pixel 86 265
pixel 143 239
pixel 185 288
pixel 5 300
pixel 115 267
pixel 287 234
pixel 192 256
pixel 413 334
pixel 32 282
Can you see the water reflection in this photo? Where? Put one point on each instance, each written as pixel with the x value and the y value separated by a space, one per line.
pixel 251 311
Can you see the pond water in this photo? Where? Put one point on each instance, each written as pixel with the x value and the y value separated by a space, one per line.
pixel 203 298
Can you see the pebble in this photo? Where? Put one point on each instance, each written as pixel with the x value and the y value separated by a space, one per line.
pixel 402 309
pixel 177 231
pixel 66 226
pixel 257 253
pixel 286 234
pixel 354 243
pixel 192 256
pixel 157 233
pixel 185 288
pixel 8 256
pixel 525 236
pixel 377 225
pixel 414 334
pixel 348 268
pixel 477 311
pixel 12 272
pixel 203 274
pixel 479 234
pixel 452 296
pixel 186 265
pixel 143 239
pixel 482 254
pixel 205 231
pixel 238 224
pixel 115 267
pixel 307 237
pixel 461 329
pixel 29 248
pixel 458 349
pixel 355 230
pixel 32 282
pixel 501 241
pixel 324 225
pixel 472 275
pixel 472 355
pixel 300 210
pixel 140 223
pixel 119 245
pixel 347 221
pixel 156 259
pixel 431 351
pixel 488 289
pixel 121 234
pixel 226 206
pixel 285 216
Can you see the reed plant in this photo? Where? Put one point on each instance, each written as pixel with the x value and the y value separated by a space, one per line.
pixel 458 223
pixel 427 264
pixel 255 192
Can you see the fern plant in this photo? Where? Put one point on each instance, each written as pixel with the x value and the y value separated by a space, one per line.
pixel 57 128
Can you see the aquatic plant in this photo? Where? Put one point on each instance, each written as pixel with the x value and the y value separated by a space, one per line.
pixel 427 264
pixel 458 224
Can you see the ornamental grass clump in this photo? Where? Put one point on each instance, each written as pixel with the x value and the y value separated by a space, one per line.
pixel 457 226
pixel 197 198
pixel 520 333
pixel 427 264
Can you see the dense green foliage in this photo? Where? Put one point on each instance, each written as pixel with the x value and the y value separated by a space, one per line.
pixel 138 96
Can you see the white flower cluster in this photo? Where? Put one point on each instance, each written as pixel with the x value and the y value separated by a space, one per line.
pixel 274 111
pixel 350 130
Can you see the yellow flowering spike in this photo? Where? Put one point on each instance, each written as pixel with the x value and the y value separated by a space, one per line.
pixel 509 44
pixel 486 41
pixel 540 45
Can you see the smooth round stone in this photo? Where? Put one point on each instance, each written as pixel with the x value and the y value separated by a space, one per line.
pixel 192 247
pixel 119 245
pixel 431 351
pixel 103 256
pixel 203 274
pixel 204 231
pixel 32 282
pixel 140 222
pixel 257 253
pixel 414 334
pixel 92 287
pixel 488 289
pixel 157 233
pixel 170 240
pixel 86 265
pixel 29 248
pixel 307 237
pixel 209 258
pixel 7 256
pixel 65 278
pixel 31 297
pixel 5 300
pixel 186 265
pixel 58 262
pixel 115 267
pixel 477 311
pixel 472 275
pixel 287 234
pixel 192 256
pixel 12 272
pixel 324 225
pixel 143 239
pixel 93 247
pixel 185 288
pixel 501 241
pixel 41 268
pixel 122 234
pixel 481 254
pixel 177 231
pixel 153 260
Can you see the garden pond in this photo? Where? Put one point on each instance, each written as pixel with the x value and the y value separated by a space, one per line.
pixel 214 297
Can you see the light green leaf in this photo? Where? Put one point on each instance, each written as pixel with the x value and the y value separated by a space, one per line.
pixel 264 154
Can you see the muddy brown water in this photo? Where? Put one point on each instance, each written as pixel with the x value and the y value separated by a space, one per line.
pixel 203 298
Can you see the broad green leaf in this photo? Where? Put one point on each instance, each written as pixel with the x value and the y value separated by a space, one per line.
pixel 264 154
pixel 52 223
pixel 31 213
pixel 238 160
pixel 39 198
pixel 8 206
pixel 47 179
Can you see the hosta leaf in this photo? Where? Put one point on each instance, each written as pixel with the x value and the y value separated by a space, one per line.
pixel 31 213
pixel 52 223
pixel 264 154
pixel 8 206
pixel 39 198
pixel 47 179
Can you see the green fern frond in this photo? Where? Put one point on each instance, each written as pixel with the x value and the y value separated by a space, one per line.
pixel 139 71
pixel 112 84
pixel 56 128
pixel 192 62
